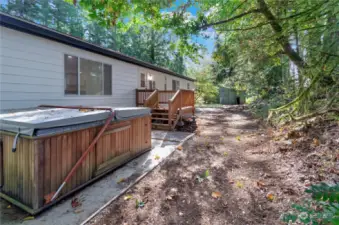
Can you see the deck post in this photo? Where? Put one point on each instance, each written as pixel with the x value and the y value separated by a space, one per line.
pixel 137 97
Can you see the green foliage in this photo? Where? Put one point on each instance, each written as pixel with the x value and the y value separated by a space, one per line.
pixel 284 53
pixel 138 40
pixel 322 208
pixel 206 90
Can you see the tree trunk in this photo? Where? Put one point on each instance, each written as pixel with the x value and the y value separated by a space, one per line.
pixel 282 39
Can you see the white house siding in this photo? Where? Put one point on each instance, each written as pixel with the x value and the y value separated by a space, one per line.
pixel 32 73
pixel 160 79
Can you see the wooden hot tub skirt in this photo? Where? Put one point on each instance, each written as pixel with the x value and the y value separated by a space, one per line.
pixel 40 164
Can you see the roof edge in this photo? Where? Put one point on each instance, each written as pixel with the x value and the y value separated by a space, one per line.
pixel 45 32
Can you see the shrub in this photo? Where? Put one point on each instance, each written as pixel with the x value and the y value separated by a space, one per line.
pixel 321 208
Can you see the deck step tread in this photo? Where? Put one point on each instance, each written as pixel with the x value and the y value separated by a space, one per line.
pixel 164 110
pixel 157 118
pixel 161 124
pixel 156 113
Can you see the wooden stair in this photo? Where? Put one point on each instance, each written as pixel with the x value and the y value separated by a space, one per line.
pixel 160 119
pixel 180 103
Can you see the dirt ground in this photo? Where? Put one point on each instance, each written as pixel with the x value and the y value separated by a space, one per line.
pixel 234 171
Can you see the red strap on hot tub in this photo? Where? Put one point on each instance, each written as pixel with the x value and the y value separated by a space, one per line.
pixel 90 147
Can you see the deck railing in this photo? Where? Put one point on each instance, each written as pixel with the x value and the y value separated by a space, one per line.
pixel 142 95
pixel 153 100
pixel 182 100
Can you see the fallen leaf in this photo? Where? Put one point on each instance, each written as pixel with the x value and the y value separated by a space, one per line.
pixel 276 139
pixel 294 141
pixel 9 206
pixel 48 197
pixel 238 138
pixel 127 197
pixel 270 196
pixel 216 194
pixel 179 147
pixel 121 180
pixel 156 157
pixel 77 211
pixel 238 184
pixel 316 141
pixel 75 203
pixel 225 153
pixel 260 184
pixel 29 218
pixel 84 110
pixel 207 173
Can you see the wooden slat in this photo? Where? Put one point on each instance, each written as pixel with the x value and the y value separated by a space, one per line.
pixel 59 161
pixel 37 174
pixel 98 151
pixel 112 163
pixel 69 160
pixel 79 153
pixel 74 158
pixel 47 167
pixel 53 171
pixel 92 159
pixel 31 172
pixel 25 173
pixel 64 166
pixel 20 159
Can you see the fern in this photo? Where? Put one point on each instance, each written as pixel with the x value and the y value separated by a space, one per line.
pixel 321 208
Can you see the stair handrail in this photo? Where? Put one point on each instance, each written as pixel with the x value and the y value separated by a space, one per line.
pixel 153 100
pixel 182 98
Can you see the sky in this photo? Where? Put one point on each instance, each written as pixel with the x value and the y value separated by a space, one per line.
pixel 208 43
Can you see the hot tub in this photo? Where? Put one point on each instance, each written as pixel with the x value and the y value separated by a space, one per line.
pixel 51 141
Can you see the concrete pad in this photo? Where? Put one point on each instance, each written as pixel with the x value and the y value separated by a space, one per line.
pixel 169 135
pixel 101 192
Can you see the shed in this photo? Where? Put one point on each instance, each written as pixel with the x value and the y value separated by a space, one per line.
pixel 229 96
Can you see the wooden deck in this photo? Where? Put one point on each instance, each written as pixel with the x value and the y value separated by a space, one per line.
pixel 168 107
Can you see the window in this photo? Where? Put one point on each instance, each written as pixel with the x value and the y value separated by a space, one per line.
pixel 107 79
pixel 151 84
pixel 151 81
pixel 175 85
pixel 165 85
pixel 142 80
pixel 71 74
pixel 87 77
pixel 188 86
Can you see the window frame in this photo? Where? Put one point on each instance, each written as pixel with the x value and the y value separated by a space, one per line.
pixel 177 85
pixel 79 79
pixel 142 74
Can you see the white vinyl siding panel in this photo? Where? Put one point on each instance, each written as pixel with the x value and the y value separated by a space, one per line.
pixel 32 73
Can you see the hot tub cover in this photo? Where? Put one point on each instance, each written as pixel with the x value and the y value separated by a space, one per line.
pixel 46 121
pixel 130 113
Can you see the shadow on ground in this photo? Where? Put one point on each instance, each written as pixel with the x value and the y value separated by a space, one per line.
pixel 173 193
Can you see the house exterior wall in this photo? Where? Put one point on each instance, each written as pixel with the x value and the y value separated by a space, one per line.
pixel 32 73
pixel 162 78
